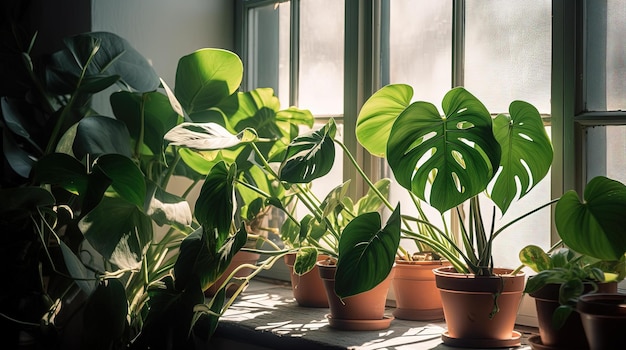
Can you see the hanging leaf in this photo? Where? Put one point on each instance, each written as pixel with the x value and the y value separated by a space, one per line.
pixel 215 206
pixel 309 156
pixel 366 253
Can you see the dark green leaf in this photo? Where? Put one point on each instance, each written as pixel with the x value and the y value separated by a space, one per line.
pixel 366 253
pixel 526 153
pixel 104 316
pixel 560 316
pixel 98 82
pixel 458 151
pixel 118 230
pixel 101 135
pixel 126 178
pixel 62 170
pixel 215 206
pixel 148 116
pixel 309 156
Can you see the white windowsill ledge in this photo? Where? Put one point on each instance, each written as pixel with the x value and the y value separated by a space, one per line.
pixel 266 316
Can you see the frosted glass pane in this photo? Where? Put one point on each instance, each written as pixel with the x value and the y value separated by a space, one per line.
pixel 508 52
pixel 321 56
pixel 267 64
pixel 420 46
pixel 606 55
pixel 606 152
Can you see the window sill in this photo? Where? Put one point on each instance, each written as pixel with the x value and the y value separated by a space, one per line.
pixel 266 316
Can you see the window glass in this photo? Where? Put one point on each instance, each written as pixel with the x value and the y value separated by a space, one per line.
pixel 605 55
pixel 606 152
pixel 420 46
pixel 508 52
pixel 321 56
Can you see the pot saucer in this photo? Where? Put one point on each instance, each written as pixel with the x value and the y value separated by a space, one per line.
pixel 359 325
pixel 535 344
pixel 515 340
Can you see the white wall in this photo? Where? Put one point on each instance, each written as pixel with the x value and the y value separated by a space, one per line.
pixel 165 30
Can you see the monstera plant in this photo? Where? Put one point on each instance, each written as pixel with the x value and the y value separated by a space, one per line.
pixel 449 159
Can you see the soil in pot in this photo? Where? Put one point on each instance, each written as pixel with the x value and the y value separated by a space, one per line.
pixel 604 319
pixel 571 335
pixel 308 289
pixel 364 311
pixel 241 257
pixel 468 305
pixel 417 295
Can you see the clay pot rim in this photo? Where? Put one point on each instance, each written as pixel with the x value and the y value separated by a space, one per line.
pixel 503 282
pixel 602 304
pixel 421 263
pixel 449 271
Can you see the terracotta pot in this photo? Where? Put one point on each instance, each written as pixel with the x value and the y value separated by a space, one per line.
pixel 604 319
pixel 241 257
pixel 468 301
pixel 364 311
pixel 417 295
pixel 571 335
pixel 308 289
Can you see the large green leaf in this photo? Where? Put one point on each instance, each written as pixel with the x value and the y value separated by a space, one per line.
pixel 148 117
pixel 526 153
pixel 63 170
pixel 309 156
pixel 104 316
pixel 206 77
pixel 215 205
pixel 596 225
pixel 458 151
pixel 101 135
pixel 378 114
pixel 102 55
pixel 119 231
pixel 366 253
pixel 127 180
pixel 83 277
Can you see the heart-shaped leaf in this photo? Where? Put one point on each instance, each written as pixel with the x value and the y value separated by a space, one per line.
pixel 535 258
pixel 215 206
pixel 101 135
pixel 206 77
pixel 594 226
pixel 366 253
pixel 378 114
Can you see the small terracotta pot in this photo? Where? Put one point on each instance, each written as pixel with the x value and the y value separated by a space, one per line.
pixel 241 257
pixel 468 301
pixel 308 289
pixel 571 335
pixel 364 311
pixel 604 319
pixel 417 295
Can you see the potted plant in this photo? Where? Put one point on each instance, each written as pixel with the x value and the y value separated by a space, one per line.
pixel 594 225
pixel 334 226
pixel 98 187
pixel 562 277
pixel 448 161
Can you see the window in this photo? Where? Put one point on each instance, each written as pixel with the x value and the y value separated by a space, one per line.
pixel 499 50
